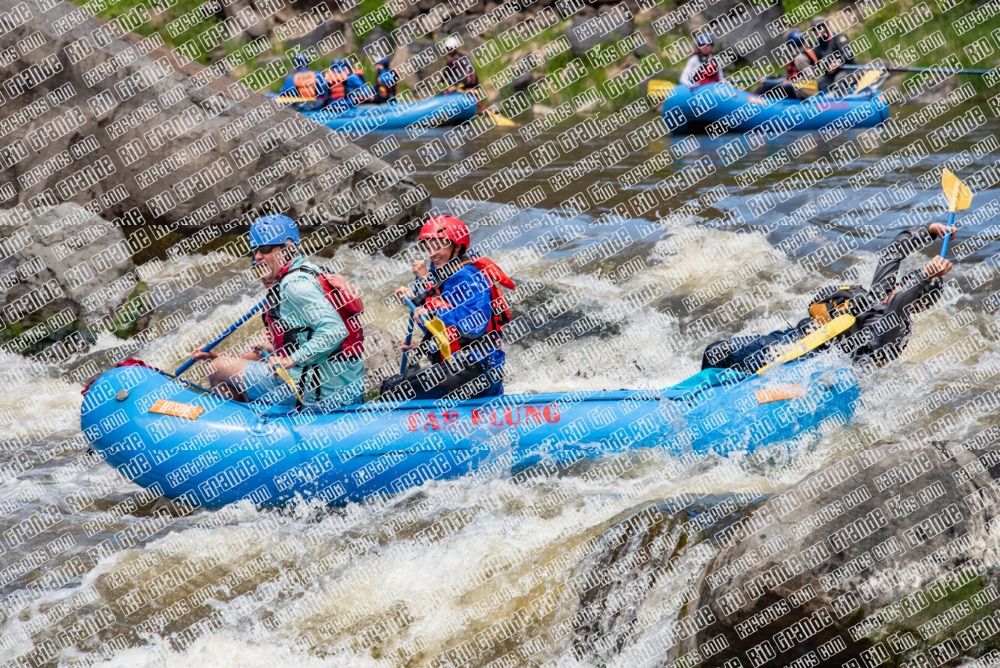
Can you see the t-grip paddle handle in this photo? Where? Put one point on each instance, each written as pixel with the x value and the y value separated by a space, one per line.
pixel 947 236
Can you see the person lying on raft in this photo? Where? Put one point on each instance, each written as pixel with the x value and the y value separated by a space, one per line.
pixel 882 313
pixel 461 289
pixel 307 334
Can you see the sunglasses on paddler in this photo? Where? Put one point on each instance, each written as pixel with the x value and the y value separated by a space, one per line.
pixel 264 250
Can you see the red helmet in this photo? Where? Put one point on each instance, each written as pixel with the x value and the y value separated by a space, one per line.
pixel 446 227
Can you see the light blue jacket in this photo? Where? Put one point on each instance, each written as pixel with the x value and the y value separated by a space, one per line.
pixel 304 305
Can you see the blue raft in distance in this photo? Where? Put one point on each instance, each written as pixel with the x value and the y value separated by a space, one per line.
pixel 693 109
pixel 208 451
pixel 437 110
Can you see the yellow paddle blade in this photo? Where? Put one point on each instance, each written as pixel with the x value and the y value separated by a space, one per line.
pixel 838 325
pixel 502 121
pixel 658 89
pixel 809 86
pixel 439 332
pixel 291 100
pixel 285 376
pixel 867 79
pixel 958 194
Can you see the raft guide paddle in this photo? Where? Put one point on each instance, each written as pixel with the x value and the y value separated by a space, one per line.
pixel 282 374
pixel 435 327
pixel 959 199
pixel 838 325
pixel 229 330
pixel 409 333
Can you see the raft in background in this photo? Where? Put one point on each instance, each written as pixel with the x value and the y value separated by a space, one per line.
pixel 209 451
pixel 434 111
pixel 693 109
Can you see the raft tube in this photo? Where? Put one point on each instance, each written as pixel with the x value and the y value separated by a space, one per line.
pixel 228 452
pixel 695 109
pixel 365 118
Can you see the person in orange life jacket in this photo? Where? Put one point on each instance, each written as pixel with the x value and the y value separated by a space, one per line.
pixel 462 290
pixel 320 348
pixel 882 312
pixel 386 81
pixel 703 67
pixel 346 88
pixel 459 75
pixel 799 81
pixel 835 50
pixel 305 83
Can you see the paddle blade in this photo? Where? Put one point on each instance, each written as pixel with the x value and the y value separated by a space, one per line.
pixel 292 100
pixel 659 90
pixel 867 79
pixel 958 194
pixel 440 333
pixel 502 121
pixel 285 376
pixel 837 326
pixel 809 86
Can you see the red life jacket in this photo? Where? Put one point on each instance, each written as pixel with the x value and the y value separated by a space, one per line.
pixel 339 292
pixel 336 82
pixel 306 84
pixel 708 72
pixel 793 71
pixel 500 311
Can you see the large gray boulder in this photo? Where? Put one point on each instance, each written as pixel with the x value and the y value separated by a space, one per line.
pixel 884 556
pixel 63 269
pixel 151 137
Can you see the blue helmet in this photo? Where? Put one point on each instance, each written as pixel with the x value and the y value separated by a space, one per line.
pixel 383 63
pixel 704 39
pixel 273 231
pixel 301 60
pixel 796 38
pixel 340 64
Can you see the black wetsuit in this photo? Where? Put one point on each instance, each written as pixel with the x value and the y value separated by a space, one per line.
pixel 841 46
pixel 879 333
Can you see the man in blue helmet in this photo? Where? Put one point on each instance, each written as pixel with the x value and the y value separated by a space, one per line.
pixel 318 343
pixel 305 83
pixel 800 80
pixel 386 81
pixel 346 88
pixel 703 67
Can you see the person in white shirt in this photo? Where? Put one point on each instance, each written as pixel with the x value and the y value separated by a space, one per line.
pixel 703 67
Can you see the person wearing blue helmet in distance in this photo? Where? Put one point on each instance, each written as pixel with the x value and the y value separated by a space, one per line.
pixel 305 83
pixel 386 81
pixel 307 335
pixel 703 67
pixel 800 80
pixel 346 88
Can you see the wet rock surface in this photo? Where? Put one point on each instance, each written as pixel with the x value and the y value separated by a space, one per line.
pixel 62 266
pixel 885 556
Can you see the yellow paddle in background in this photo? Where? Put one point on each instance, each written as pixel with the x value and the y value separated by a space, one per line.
pixel 282 374
pixel 659 90
pixel 814 340
pixel 291 100
pixel 959 199
pixel 867 79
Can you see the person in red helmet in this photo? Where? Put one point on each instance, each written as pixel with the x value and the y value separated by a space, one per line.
pixel 462 289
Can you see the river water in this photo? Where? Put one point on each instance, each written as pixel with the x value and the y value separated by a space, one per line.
pixel 487 569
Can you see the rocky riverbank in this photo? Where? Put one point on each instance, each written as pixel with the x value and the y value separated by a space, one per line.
pixel 885 557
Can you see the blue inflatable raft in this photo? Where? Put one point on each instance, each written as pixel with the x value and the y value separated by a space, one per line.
pixel 186 443
pixel 365 118
pixel 720 107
